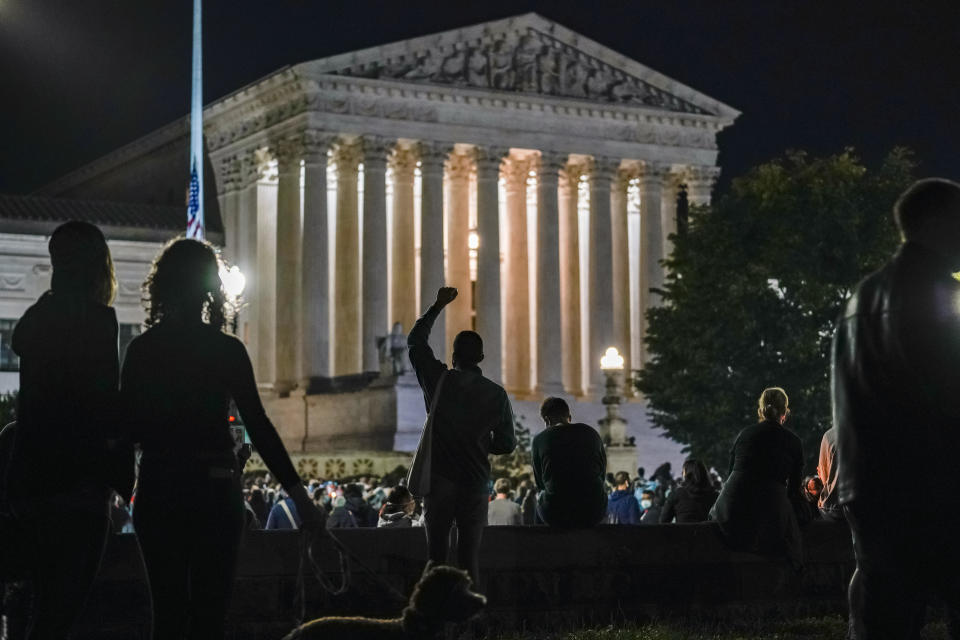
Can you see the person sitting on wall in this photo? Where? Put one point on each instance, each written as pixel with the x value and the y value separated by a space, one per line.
pixel 502 510
pixel 569 463
pixel 755 507
pixel 622 506
pixel 691 501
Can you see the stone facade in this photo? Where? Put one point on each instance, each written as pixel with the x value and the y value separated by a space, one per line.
pixel 499 158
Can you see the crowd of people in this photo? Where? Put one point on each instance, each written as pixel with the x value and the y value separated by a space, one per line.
pixel 893 367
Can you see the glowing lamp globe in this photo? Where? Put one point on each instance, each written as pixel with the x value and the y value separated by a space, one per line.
pixel 473 240
pixel 611 360
pixel 233 281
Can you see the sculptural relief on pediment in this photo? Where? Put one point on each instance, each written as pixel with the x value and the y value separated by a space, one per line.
pixel 527 62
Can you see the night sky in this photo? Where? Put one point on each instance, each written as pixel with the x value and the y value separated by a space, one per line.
pixel 81 78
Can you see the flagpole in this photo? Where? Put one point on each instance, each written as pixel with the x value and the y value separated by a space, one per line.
pixel 195 218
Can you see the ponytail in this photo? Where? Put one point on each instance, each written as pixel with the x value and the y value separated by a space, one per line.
pixel 773 404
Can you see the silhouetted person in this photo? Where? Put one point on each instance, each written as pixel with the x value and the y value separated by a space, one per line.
pixel 178 379
pixel 692 499
pixel 473 419
pixel 67 420
pixel 569 463
pixel 755 507
pixel 895 391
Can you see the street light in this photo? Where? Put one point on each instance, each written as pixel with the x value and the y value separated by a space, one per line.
pixel 621 451
pixel 233 282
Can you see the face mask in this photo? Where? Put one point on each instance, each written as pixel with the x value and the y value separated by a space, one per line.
pixel 646 504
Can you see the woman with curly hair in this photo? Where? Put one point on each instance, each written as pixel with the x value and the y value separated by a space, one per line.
pixel 65 458
pixel 178 379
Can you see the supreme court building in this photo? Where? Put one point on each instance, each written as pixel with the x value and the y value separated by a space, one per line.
pixel 532 168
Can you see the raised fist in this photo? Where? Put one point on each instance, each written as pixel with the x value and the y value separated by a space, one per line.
pixel 446 295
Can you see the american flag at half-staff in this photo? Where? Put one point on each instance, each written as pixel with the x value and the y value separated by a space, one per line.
pixel 195 225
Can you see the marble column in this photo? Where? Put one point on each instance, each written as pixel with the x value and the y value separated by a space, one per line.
pixel 346 293
pixel 247 259
pixel 668 210
pixel 651 242
pixel 228 195
pixel 266 270
pixel 432 158
pixel 315 274
pixel 570 279
pixel 288 299
pixel 403 289
pixel 549 330
pixel 700 181
pixel 621 268
pixel 458 313
pixel 374 287
pixel 516 337
pixel 601 303
pixel 488 160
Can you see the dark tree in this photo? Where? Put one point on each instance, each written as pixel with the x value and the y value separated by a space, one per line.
pixel 753 291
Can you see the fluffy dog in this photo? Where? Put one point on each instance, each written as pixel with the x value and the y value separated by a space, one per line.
pixel 442 595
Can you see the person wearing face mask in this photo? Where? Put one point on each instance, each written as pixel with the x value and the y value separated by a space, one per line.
pixel 649 509
pixel 754 509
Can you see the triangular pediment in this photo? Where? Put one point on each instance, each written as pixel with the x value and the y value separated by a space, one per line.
pixel 525 54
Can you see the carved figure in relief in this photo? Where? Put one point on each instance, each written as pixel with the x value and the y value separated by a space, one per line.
pixel 454 66
pixel 575 78
pixel 548 67
pixel 525 63
pixel 426 67
pixel 597 84
pixel 502 74
pixel 478 68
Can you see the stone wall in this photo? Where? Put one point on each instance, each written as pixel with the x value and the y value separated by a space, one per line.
pixel 534 577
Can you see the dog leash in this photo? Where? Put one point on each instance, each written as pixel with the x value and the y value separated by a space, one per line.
pixel 308 541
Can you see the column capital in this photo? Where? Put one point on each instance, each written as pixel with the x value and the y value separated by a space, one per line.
pixel 551 162
pixel 651 173
pixel 515 172
pixel 433 155
pixel 459 166
pixel 316 143
pixel 347 156
pixel 570 175
pixel 701 174
pixel 287 151
pixel 403 163
pixel 375 151
pixel 605 168
pixel 489 159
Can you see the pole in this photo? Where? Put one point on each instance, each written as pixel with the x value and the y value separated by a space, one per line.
pixel 195 218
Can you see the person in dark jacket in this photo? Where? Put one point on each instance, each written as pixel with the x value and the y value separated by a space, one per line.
pixel 895 390
pixel 178 379
pixel 473 419
pixel 67 421
pixel 569 463
pixel 622 506
pixel 692 499
pixel 397 511
pixel 754 509
pixel 362 512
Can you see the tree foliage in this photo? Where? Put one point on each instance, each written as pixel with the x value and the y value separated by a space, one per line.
pixel 753 291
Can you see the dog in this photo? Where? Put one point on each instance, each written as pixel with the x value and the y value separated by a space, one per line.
pixel 443 594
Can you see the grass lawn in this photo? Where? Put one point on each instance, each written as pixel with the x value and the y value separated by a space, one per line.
pixel 828 628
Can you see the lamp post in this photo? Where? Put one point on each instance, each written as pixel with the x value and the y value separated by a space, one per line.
pixel 233 282
pixel 621 452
